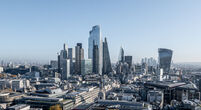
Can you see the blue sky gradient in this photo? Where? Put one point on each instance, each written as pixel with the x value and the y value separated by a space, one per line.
pixel 37 29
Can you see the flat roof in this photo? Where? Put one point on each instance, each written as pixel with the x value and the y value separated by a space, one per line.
pixel 121 103
pixel 4 94
pixel 188 86
pixel 165 84
pixel 83 106
pixel 19 106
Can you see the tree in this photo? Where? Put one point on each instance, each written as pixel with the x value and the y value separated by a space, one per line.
pixel 55 107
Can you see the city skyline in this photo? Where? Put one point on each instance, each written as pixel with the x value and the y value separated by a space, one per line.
pixel 38 33
pixel 100 55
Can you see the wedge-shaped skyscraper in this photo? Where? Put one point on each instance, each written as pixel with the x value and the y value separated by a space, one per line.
pixel 107 68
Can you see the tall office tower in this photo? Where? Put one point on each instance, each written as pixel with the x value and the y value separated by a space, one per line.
pixel 161 75
pixel 121 55
pixel 71 56
pixel 63 55
pixel 165 58
pixel 107 68
pixel 144 68
pixel 59 64
pixel 95 39
pixel 65 69
pixel 64 63
pixel 71 53
pixel 79 56
pixel 95 59
pixel 64 52
pixel 128 60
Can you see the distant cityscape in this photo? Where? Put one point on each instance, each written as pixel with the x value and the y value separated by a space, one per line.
pixel 76 82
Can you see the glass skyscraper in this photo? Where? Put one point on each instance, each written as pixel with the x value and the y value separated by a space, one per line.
pixel 95 59
pixel 107 68
pixel 64 63
pixel 95 39
pixel 79 56
pixel 121 55
pixel 128 60
pixel 65 69
pixel 71 56
pixel 165 58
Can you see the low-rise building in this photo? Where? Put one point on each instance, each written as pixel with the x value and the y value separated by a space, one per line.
pixel 5 84
pixel 84 95
pixel 19 107
pixel 120 105
pixel 1 69
pixel 17 84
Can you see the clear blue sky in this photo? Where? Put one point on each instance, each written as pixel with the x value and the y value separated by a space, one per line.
pixel 37 29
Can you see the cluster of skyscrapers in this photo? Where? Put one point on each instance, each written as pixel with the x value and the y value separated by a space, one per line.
pixel 72 61
pixel 76 82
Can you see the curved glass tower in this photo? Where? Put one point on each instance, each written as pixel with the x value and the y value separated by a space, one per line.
pixel 165 58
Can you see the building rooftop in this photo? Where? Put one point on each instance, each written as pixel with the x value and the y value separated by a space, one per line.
pixel 42 99
pixel 18 107
pixel 188 86
pixel 4 94
pixel 83 107
pixel 165 84
pixel 121 103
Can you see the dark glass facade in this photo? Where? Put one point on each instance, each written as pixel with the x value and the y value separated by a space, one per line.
pixel 128 60
pixel 95 59
pixel 165 58
pixel 79 56
pixel 107 68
